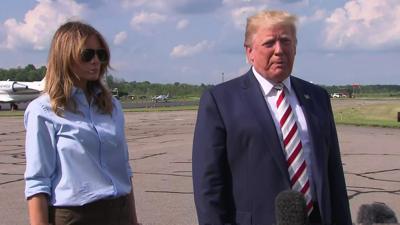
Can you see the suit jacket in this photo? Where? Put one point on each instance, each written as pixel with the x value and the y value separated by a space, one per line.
pixel 238 162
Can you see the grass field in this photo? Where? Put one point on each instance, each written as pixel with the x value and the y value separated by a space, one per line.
pixel 361 112
pixel 367 112
pixel 7 112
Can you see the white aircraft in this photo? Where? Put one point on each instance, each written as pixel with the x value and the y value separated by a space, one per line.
pixel 160 98
pixel 14 92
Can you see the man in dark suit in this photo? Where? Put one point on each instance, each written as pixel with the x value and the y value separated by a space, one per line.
pixel 242 152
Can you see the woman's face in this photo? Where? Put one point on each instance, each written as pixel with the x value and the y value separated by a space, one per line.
pixel 87 68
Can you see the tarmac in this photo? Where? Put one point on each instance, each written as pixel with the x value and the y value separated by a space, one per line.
pixel 160 153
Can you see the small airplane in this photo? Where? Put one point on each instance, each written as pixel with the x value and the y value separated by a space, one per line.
pixel 14 92
pixel 160 98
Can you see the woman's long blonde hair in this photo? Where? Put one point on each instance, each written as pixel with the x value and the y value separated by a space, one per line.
pixel 66 47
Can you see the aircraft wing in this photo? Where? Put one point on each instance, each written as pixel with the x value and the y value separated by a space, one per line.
pixel 5 98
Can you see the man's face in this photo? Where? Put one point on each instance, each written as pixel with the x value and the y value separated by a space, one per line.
pixel 272 52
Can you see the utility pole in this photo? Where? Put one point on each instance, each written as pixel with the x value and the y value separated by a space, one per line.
pixel 222 77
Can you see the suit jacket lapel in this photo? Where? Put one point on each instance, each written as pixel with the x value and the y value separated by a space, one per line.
pixel 253 97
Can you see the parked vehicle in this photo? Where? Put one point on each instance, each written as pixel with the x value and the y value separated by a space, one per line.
pixel 338 95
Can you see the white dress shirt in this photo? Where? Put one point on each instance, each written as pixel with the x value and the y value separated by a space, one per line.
pixel 270 96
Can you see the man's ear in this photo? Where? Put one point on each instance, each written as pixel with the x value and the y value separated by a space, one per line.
pixel 249 57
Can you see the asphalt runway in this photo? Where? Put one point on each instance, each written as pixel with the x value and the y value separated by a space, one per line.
pixel 160 153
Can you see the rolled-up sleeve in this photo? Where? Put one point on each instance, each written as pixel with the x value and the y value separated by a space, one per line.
pixel 40 150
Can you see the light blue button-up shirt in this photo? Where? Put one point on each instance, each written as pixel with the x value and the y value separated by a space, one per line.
pixel 77 158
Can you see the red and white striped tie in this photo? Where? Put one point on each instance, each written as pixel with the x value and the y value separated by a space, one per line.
pixel 297 166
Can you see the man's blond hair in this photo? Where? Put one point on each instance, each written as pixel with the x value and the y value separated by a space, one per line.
pixel 268 18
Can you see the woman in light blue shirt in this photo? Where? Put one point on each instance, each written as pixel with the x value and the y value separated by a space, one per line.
pixel 77 168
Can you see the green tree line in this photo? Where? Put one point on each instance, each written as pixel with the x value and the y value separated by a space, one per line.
pixel 147 89
pixel 140 89
pixel 28 73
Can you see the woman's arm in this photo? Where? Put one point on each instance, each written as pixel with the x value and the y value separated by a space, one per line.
pixel 38 209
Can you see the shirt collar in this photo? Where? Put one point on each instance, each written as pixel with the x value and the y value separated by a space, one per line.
pixel 267 85
pixel 77 90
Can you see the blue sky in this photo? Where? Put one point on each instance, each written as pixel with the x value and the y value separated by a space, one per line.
pixel 196 41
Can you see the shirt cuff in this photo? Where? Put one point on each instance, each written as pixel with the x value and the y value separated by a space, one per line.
pixel 33 187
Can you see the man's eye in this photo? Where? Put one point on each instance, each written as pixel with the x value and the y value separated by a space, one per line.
pixel 286 41
pixel 269 44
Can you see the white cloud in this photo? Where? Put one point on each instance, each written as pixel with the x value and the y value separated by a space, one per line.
pixel 120 38
pixel 177 6
pixel 145 18
pixel 189 50
pixel 182 24
pixel 364 24
pixel 239 15
pixel 229 2
pixel 39 24
pixel 154 4
pixel 243 2
pixel 318 15
pixel 236 3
